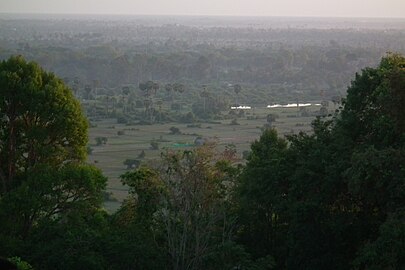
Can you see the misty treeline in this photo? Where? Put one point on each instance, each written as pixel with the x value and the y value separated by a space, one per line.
pixel 272 64
pixel 332 199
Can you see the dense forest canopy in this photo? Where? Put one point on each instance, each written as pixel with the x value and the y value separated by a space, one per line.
pixel 271 55
pixel 43 137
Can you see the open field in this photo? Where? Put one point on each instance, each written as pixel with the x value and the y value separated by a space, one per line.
pixel 135 138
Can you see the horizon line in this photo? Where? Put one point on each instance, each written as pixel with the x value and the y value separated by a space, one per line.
pixel 198 15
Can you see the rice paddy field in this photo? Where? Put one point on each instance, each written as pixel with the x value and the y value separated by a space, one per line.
pixel 128 141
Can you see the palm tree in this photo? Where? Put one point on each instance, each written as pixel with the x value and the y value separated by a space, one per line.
pixel 204 94
pixel 169 90
pixel 179 87
pixel 148 108
pixel 237 88
pixel 159 103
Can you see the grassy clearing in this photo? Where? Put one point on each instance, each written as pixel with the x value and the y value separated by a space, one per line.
pixel 135 139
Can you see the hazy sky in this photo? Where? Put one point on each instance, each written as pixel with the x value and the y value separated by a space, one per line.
pixel 333 8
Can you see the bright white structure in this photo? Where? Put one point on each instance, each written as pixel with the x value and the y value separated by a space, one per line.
pixel 241 108
pixel 292 105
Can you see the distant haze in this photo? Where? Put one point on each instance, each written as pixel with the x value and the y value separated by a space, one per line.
pixel 315 8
